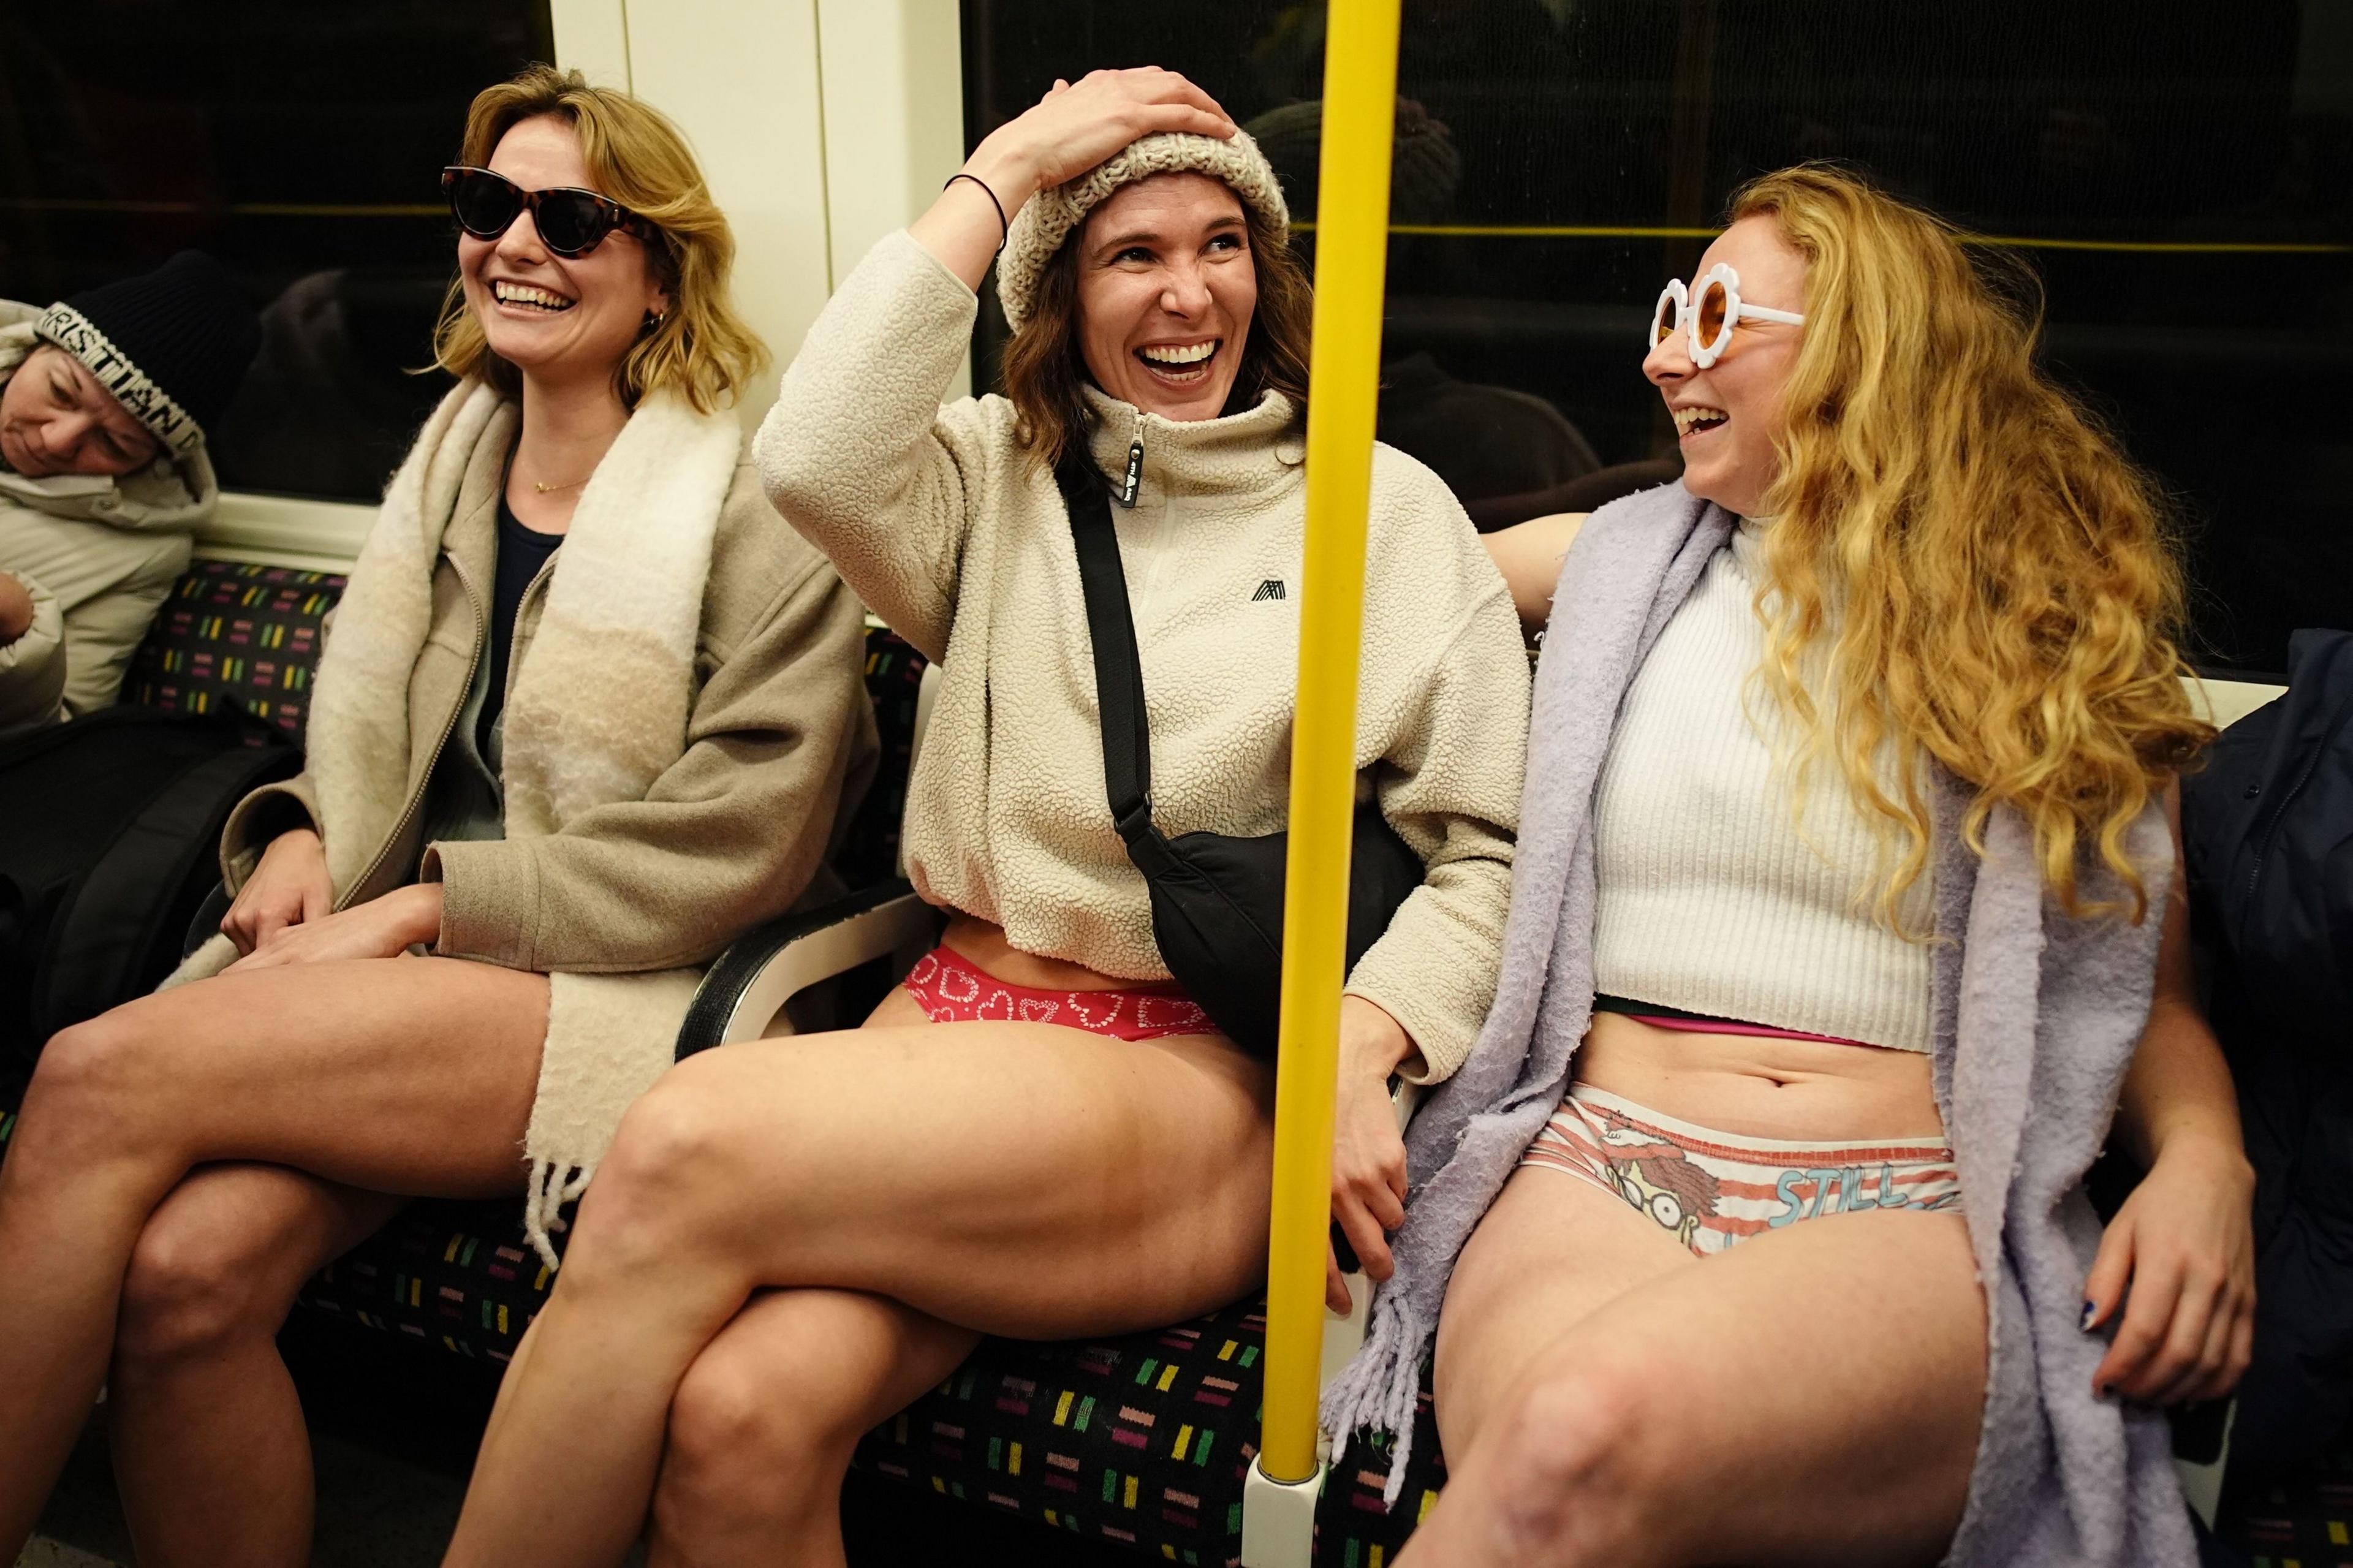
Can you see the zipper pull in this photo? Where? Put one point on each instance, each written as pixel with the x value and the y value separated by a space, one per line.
pixel 1135 481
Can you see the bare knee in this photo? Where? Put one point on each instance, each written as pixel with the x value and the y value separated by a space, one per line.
pixel 1582 1468
pixel 196 1286
pixel 87 1089
pixel 755 1439
pixel 669 1184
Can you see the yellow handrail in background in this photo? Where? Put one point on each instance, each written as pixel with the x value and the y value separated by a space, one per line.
pixel 1344 381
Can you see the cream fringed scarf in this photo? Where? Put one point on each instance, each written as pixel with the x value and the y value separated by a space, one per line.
pixel 598 711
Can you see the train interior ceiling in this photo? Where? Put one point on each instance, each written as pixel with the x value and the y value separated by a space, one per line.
pixel 2177 173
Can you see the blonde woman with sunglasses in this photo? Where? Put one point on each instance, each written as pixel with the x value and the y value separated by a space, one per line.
pixel 1846 915
pixel 585 715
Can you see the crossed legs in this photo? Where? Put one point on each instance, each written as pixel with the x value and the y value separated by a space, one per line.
pixel 210 1452
pixel 405 1075
pixel 1810 1396
pixel 762 1426
pixel 1008 1178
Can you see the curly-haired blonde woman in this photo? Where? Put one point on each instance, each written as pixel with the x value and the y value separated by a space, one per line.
pixel 585 715
pixel 1845 918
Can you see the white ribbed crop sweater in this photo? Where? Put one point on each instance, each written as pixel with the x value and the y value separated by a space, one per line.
pixel 1712 899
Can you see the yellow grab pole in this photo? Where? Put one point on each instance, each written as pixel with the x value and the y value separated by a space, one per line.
pixel 1344 384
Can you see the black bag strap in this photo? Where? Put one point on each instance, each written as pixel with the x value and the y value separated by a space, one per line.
pixel 1110 626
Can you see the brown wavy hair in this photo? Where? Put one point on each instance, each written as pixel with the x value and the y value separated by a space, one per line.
pixel 701 348
pixel 1045 370
pixel 1996 584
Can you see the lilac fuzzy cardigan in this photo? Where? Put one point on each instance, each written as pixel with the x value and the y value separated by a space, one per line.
pixel 2036 1018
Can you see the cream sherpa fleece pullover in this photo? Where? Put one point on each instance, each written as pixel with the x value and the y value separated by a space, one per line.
pixel 954 533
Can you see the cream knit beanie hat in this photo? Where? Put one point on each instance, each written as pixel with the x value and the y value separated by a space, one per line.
pixel 1048 219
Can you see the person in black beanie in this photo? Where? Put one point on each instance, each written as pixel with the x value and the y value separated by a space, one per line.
pixel 104 400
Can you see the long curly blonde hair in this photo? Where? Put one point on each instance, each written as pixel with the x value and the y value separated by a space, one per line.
pixel 1996 583
pixel 701 348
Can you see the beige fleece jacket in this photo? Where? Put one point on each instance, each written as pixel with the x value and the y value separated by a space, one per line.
pixel 780 733
pixel 959 539
pixel 684 721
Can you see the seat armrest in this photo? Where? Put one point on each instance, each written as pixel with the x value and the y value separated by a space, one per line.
pixel 747 985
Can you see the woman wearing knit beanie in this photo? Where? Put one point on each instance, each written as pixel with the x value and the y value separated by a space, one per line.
pixel 1038 1134
pixel 586 715
pixel 104 477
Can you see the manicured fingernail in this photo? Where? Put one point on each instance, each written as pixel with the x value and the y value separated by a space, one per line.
pixel 2089 1312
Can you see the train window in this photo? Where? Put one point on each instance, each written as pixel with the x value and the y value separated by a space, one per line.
pixel 300 143
pixel 2175 169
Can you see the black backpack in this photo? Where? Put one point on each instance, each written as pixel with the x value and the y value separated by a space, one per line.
pixel 109 835
pixel 2267 830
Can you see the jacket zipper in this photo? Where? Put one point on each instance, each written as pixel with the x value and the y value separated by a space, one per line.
pixel 514 665
pixel 417 799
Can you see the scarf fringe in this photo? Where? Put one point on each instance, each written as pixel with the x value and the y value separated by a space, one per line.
pixel 551 1186
pixel 1377 1388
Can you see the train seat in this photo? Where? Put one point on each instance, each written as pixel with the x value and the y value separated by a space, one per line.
pixel 234 633
pixel 1139 1441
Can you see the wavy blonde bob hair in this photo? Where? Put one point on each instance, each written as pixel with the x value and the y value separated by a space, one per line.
pixel 1045 367
pixel 1996 581
pixel 701 348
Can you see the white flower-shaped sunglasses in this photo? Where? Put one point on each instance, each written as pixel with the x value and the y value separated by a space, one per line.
pixel 1708 314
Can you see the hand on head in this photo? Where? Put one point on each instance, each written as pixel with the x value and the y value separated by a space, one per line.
pixel 1152 269
pixel 1079 125
pixel 55 419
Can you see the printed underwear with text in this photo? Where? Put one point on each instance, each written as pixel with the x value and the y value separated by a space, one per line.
pixel 1710 1189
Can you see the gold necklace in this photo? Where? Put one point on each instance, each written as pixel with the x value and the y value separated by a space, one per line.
pixel 545 489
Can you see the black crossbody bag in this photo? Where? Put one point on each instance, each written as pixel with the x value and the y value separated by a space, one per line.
pixel 1217 900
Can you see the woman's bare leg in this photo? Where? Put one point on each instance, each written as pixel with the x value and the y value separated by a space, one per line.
pixel 763 1424
pixel 1008 1178
pixel 408 1075
pixel 1812 1397
pixel 210 1451
pixel 1552 1250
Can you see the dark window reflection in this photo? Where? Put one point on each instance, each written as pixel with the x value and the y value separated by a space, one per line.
pixel 2165 159
pixel 300 143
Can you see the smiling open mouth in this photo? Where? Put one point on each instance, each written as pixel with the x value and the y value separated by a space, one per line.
pixel 1689 421
pixel 1180 362
pixel 529 297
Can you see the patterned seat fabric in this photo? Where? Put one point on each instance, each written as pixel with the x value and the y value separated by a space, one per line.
pixel 1140 1440
pixel 458 1275
pixel 235 633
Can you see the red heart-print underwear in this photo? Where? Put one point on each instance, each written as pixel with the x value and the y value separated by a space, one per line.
pixel 953 990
